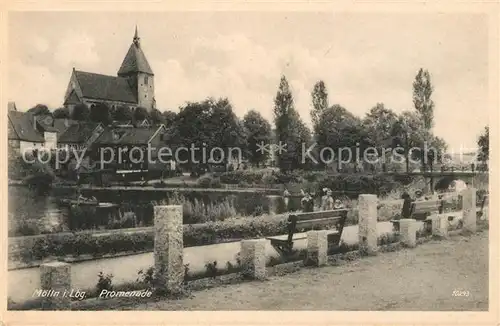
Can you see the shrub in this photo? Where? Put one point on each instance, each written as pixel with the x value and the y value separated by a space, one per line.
pixel 104 282
pixel 26 228
pixel 204 181
pixel 148 277
pixel 207 181
pixel 160 184
pixel 128 221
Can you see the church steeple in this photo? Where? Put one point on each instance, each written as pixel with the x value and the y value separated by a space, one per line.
pixel 136 69
pixel 136 37
pixel 135 61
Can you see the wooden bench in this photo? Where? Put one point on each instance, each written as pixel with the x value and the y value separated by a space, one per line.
pixel 301 222
pixel 422 210
pixel 480 213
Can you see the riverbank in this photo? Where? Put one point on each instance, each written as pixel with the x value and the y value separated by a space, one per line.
pixel 229 190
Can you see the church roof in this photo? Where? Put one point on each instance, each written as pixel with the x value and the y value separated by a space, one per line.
pixel 135 60
pixel 103 87
pixel 72 98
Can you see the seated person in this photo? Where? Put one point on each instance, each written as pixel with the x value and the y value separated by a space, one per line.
pixel 307 203
pixel 338 204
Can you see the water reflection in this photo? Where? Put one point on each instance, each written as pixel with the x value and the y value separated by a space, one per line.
pixel 31 213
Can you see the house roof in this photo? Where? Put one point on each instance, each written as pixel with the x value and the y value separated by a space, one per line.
pixel 103 87
pixel 135 60
pixel 78 133
pixel 21 127
pixel 46 123
pixel 127 136
pixel 63 124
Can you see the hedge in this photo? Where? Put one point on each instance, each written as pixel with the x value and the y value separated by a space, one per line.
pixel 29 249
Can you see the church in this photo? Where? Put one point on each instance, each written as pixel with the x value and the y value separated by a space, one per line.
pixel 132 87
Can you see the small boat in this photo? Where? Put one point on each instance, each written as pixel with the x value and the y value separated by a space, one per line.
pixel 81 201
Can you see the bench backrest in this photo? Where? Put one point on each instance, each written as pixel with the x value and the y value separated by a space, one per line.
pixel 422 209
pixel 485 199
pixel 311 220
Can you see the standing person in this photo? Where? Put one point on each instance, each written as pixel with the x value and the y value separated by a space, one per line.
pixel 286 195
pixel 406 212
pixel 327 204
pixel 324 198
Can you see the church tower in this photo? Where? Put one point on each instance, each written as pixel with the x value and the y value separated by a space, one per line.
pixel 136 69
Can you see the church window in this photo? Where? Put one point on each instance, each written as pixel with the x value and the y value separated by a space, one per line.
pixel 145 80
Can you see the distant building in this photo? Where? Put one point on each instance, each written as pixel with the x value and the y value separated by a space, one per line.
pixel 80 136
pixel 44 124
pixel 22 135
pixel 132 87
pixel 126 148
pixel 27 131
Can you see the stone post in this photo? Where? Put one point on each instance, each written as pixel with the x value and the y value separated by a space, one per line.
pixel 253 258
pixel 168 247
pixel 55 281
pixel 439 225
pixel 367 216
pixel 469 209
pixel 408 232
pixel 317 247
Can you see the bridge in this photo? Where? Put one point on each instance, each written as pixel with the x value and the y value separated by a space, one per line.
pixel 437 174
pixel 446 176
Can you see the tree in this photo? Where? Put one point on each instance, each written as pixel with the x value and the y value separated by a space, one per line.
pixel 288 128
pixel 80 112
pixel 100 112
pixel 422 91
pixel 484 145
pixel 418 143
pixel 123 113
pixel 319 96
pixel 61 113
pixel 140 114
pixel 341 131
pixel 169 117
pixel 39 109
pixel 207 125
pixel 258 132
pixel 156 117
pixel 378 124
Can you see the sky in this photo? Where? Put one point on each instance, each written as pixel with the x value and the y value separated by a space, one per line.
pixel 363 58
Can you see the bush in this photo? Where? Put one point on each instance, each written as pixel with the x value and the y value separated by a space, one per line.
pixel 104 282
pixel 208 181
pixel 148 277
pixel 160 184
pixel 26 228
